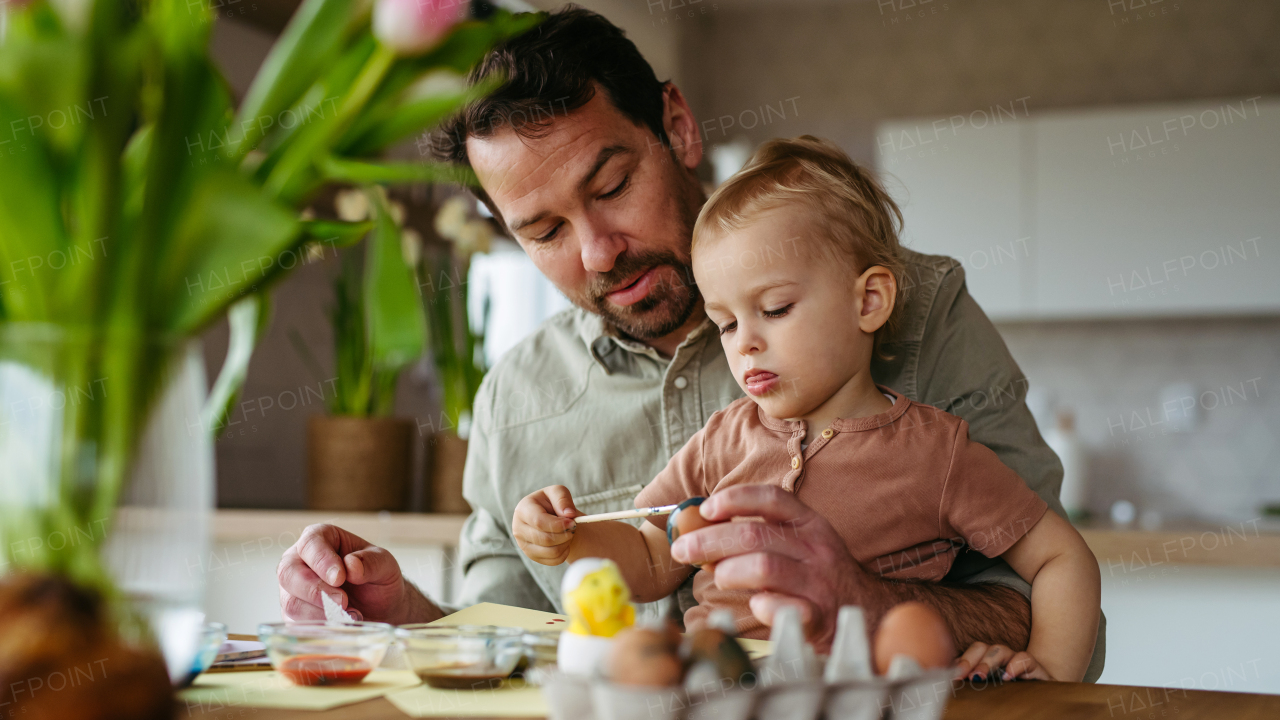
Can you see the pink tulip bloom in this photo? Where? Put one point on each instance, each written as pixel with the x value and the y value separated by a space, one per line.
pixel 411 27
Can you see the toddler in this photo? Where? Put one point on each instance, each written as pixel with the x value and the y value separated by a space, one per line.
pixel 797 259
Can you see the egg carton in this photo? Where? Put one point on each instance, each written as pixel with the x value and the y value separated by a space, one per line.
pixel 792 684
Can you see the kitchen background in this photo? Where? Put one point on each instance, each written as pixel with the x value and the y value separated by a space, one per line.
pixel 1129 256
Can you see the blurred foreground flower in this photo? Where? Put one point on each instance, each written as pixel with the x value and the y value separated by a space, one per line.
pixel 411 27
pixel 468 235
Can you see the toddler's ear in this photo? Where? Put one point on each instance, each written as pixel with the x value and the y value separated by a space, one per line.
pixel 876 291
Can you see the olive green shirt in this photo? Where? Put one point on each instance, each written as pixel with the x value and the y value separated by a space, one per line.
pixel 575 405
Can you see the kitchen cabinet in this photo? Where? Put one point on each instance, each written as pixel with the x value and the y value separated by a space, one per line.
pixel 1120 212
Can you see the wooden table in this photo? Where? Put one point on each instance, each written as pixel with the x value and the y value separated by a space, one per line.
pixel 1009 701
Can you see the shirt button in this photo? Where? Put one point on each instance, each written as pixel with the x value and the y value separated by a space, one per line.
pixel 828 433
pixel 795 463
pixel 681 383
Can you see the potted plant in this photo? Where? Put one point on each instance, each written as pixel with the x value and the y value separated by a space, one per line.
pixel 137 207
pixel 358 457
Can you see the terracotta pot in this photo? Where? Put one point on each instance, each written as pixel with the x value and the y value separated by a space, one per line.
pixel 448 456
pixel 357 463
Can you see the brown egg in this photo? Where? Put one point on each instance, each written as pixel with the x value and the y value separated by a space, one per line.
pixel 917 630
pixel 645 657
pixel 686 518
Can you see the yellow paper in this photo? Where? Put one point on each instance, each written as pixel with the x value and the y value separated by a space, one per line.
pixel 756 649
pixel 512 699
pixel 270 689
pixel 506 616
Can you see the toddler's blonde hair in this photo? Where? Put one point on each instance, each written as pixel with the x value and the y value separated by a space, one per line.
pixel 850 209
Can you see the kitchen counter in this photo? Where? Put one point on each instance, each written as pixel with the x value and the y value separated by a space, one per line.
pixel 1242 544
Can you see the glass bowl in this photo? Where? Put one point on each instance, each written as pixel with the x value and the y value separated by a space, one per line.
pixel 471 657
pixel 316 652
pixel 540 651
pixel 212 636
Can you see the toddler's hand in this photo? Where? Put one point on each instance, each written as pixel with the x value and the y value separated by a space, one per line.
pixel 543 524
pixel 981 661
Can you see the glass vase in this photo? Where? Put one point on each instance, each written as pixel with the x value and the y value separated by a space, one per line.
pixel 106 474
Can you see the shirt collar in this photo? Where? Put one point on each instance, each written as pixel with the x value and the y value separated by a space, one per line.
pixel 602 340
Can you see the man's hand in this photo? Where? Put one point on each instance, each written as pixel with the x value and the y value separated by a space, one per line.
pixel 792 558
pixel 543 524
pixel 981 661
pixel 796 558
pixel 364 579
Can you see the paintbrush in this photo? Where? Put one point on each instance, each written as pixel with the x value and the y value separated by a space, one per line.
pixel 627 514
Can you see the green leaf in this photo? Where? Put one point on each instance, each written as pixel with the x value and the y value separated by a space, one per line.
pixel 395 322
pixel 325 93
pixel 31 228
pixel 230 239
pixel 44 71
pixel 247 321
pixel 356 172
pixel 312 41
pixel 396 121
pixel 335 234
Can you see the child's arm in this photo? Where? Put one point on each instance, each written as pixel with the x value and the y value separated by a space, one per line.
pixel 642 554
pixel 1066 591
pixel 543 527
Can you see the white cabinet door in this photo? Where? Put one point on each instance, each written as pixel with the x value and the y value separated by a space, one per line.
pixel 1157 211
pixel 1161 211
pixel 961 193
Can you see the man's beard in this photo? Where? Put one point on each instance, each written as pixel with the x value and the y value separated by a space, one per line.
pixel 666 308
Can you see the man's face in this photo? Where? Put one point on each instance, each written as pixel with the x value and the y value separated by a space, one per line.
pixel 604 210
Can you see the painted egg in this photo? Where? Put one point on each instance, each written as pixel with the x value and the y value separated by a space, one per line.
pixel 686 518
pixel 916 630
pixel 645 657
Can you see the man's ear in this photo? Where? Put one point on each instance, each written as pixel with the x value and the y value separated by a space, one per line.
pixel 875 293
pixel 681 127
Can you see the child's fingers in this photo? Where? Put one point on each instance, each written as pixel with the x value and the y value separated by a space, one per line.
pixel 545 555
pixel 992 660
pixel 561 501
pixel 539 516
pixel 529 534
pixel 966 662
pixel 1025 667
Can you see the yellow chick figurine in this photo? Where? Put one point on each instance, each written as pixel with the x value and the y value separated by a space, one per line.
pixel 600 604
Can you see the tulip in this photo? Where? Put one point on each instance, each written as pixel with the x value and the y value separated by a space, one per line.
pixel 411 27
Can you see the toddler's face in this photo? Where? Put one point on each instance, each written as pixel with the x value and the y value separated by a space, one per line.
pixel 788 316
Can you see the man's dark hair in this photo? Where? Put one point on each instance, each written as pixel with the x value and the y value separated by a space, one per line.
pixel 553 69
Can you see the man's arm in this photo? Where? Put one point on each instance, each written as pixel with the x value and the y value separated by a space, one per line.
pixel 983 613
pixel 795 558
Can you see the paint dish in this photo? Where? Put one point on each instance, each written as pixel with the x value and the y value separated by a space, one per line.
pixel 318 653
pixel 461 657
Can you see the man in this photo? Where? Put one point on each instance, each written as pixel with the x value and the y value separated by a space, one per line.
pixel 590 164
